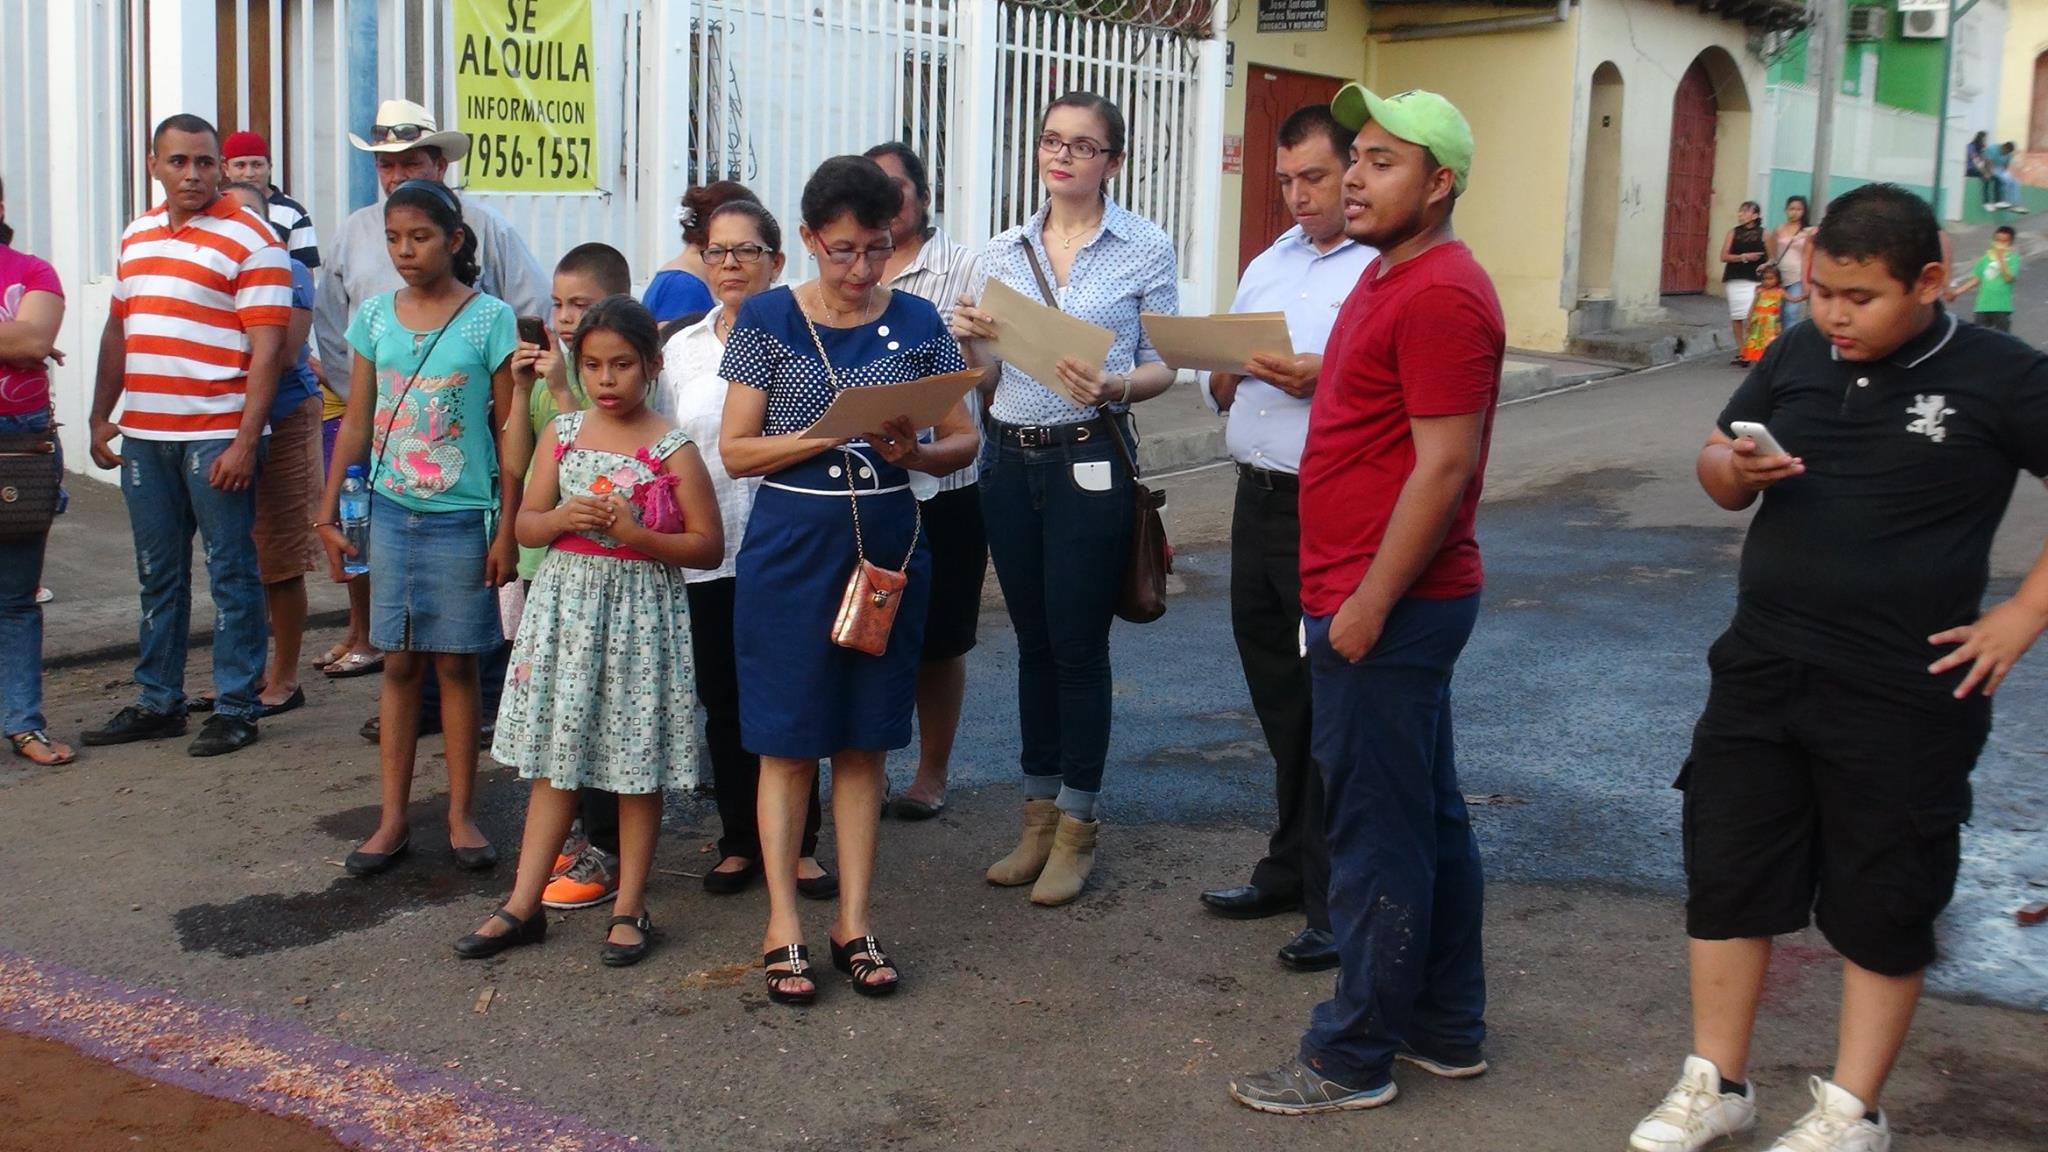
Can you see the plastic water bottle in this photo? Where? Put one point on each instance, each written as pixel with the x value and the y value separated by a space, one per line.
pixel 355 520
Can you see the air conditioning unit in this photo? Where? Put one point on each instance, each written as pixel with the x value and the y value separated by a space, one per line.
pixel 1867 23
pixel 1923 19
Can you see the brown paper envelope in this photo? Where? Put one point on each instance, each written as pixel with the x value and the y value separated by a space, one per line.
pixel 1033 338
pixel 1220 343
pixel 857 412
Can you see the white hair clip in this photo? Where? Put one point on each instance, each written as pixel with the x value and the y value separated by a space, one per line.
pixel 686 216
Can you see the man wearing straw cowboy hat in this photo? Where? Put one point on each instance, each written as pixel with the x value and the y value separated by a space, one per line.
pixel 410 144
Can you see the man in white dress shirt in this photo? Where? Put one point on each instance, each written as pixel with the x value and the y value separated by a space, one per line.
pixel 1306 274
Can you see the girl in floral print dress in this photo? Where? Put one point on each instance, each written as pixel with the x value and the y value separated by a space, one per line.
pixel 600 689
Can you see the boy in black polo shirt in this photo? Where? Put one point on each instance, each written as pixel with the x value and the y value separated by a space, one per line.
pixel 1830 770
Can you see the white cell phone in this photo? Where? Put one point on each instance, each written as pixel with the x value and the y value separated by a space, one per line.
pixel 1766 444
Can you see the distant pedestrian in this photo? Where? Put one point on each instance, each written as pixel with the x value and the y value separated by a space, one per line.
pixel 1977 166
pixel 1766 314
pixel 1746 248
pixel 1390 580
pixel 430 388
pixel 600 694
pixel 1307 274
pixel 682 286
pixel 31 312
pixel 246 158
pixel 1996 271
pixel 1829 774
pixel 2009 194
pixel 288 491
pixel 929 264
pixel 194 344
pixel 1794 237
pixel 1057 495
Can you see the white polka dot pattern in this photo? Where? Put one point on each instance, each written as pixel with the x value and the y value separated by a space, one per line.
pixel 770 349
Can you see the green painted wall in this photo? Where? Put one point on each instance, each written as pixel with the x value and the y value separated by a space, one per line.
pixel 1908 71
pixel 1786 183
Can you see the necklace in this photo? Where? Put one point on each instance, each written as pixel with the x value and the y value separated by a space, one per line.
pixel 1067 239
pixel 824 306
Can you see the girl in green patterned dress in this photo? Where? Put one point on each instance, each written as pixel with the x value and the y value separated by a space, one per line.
pixel 600 690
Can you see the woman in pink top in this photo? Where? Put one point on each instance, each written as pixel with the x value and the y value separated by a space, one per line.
pixel 31 308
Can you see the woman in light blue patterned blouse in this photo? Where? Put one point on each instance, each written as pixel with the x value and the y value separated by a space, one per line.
pixel 1056 493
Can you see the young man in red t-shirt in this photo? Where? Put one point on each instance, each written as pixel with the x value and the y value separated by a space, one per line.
pixel 1390 580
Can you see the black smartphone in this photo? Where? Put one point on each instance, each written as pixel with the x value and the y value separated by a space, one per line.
pixel 532 331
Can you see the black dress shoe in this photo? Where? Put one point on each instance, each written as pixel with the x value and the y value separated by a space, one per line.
pixel 477 946
pixel 361 863
pixel 731 883
pixel 373 729
pixel 1250 902
pixel 294 701
pixel 134 723
pixel 480 859
pixel 222 735
pixel 627 955
pixel 1313 951
pixel 824 887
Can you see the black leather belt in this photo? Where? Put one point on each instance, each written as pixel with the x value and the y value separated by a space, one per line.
pixel 1052 435
pixel 1269 480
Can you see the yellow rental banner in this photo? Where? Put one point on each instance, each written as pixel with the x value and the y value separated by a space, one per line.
pixel 523 92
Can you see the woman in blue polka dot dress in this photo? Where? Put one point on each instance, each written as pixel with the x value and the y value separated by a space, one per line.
pixel 1055 491
pixel 803 698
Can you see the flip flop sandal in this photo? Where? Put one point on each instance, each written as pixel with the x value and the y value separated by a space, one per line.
pixel 355 664
pixel 22 740
pixel 330 658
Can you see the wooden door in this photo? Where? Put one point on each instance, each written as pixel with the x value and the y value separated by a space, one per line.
pixel 2037 124
pixel 1689 195
pixel 1271 95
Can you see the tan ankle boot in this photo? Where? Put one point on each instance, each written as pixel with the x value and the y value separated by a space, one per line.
pixel 1023 865
pixel 1073 857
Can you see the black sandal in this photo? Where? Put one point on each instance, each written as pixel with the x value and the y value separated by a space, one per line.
pixel 627 955
pixel 861 959
pixel 798 958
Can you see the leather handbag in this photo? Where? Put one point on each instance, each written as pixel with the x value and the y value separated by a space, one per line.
pixel 29 484
pixel 867 609
pixel 1142 597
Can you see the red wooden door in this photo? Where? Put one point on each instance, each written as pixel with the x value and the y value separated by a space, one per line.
pixel 2037 123
pixel 1689 196
pixel 1271 96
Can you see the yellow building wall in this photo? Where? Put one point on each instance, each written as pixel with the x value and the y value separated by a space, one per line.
pixel 1516 89
pixel 2026 37
pixel 1338 51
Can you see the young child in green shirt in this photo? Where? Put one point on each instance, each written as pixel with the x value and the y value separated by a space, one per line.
pixel 1993 277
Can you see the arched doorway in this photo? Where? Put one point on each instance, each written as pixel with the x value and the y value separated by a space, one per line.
pixel 1689 189
pixel 2037 123
pixel 1600 198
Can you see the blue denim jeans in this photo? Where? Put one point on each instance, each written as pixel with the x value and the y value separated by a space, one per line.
pixel 168 497
pixel 21 618
pixel 1059 555
pixel 1406 888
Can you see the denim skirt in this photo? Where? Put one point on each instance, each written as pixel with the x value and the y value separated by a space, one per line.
pixel 427 590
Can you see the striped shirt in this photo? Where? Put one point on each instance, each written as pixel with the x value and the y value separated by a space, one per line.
pixel 942 273
pixel 186 301
pixel 295 227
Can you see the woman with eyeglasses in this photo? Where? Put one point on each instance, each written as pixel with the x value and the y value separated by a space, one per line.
pixel 821 506
pixel 682 287
pixel 1056 491
pixel 743 255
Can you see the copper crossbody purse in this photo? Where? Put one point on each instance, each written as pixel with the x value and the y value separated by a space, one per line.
pixel 867 610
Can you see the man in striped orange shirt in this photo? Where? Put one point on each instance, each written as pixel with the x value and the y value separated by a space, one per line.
pixel 193 347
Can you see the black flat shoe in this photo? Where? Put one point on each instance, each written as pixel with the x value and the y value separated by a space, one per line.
pixel 290 703
pixel 731 883
pixel 1314 950
pixel 480 859
pixel 222 735
pixel 797 959
pixel 1249 902
pixel 627 955
pixel 905 808
pixel 477 946
pixel 134 723
pixel 824 887
pixel 861 958
pixel 361 863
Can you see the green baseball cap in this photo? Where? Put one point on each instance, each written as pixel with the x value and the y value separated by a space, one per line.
pixel 1416 116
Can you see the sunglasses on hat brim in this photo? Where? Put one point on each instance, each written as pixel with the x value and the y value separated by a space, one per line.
pixel 403 133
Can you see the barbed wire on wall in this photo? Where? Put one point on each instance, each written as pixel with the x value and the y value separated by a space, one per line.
pixel 1188 17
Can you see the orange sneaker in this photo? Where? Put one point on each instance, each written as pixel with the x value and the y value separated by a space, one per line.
pixel 590 881
pixel 576 844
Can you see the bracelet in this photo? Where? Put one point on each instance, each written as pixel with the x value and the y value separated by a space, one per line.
pixel 1127 388
pixel 326 524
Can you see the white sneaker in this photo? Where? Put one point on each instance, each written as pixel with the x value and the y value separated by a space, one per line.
pixel 1696 1113
pixel 1836 1124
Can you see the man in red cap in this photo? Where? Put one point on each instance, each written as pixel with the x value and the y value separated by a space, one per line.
pixel 246 156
